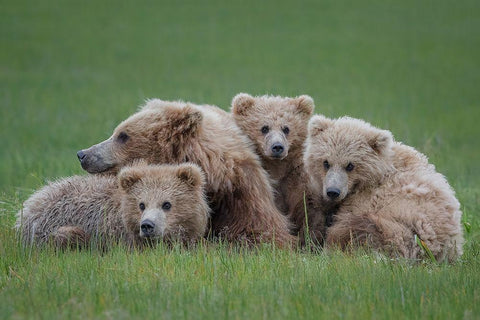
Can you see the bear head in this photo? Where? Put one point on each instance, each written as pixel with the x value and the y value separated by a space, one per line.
pixel 276 125
pixel 157 133
pixel 346 155
pixel 163 201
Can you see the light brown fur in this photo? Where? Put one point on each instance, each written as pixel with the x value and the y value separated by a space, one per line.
pixel 238 188
pixel 388 194
pixel 102 210
pixel 277 127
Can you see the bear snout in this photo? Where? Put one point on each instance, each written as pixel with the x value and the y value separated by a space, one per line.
pixel 147 228
pixel 85 161
pixel 81 155
pixel 333 193
pixel 277 150
pixel 335 184
pixel 97 158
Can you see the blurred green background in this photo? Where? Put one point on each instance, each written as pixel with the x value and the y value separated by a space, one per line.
pixel 71 70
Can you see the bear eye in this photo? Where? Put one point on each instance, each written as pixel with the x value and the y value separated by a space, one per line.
pixel 265 129
pixel 141 206
pixel 326 165
pixel 349 167
pixel 286 130
pixel 122 137
pixel 166 205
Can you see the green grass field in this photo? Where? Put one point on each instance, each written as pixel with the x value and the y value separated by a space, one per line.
pixel 70 71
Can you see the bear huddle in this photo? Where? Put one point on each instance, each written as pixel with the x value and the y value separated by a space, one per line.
pixel 268 171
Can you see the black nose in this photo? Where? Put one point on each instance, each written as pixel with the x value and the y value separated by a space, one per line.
pixel 81 155
pixel 147 228
pixel 277 149
pixel 333 193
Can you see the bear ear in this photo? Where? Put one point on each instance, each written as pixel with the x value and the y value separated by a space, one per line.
pixel 184 121
pixel 153 103
pixel 318 124
pixel 128 177
pixel 241 103
pixel 305 104
pixel 191 174
pixel 380 141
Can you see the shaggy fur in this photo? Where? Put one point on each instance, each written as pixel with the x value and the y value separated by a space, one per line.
pixel 106 209
pixel 381 193
pixel 277 127
pixel 238 188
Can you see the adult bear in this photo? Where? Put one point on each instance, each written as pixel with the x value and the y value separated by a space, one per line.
pixel 238 189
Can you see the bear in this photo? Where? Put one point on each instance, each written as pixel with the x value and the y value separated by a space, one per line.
pixel 381 193
pixel 238 188
pixel 143 204
pixel 277 126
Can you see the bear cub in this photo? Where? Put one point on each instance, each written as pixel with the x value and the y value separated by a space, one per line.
pixel 380 193
pixel 277 126
pixel 144 203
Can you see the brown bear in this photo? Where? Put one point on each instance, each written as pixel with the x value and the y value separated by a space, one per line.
pixel 145 202
pixel 238 188
pixel 277 127
pixel 381 193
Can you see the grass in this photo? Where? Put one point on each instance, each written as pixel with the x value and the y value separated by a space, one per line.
pixel 218 281
pixel 70 71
